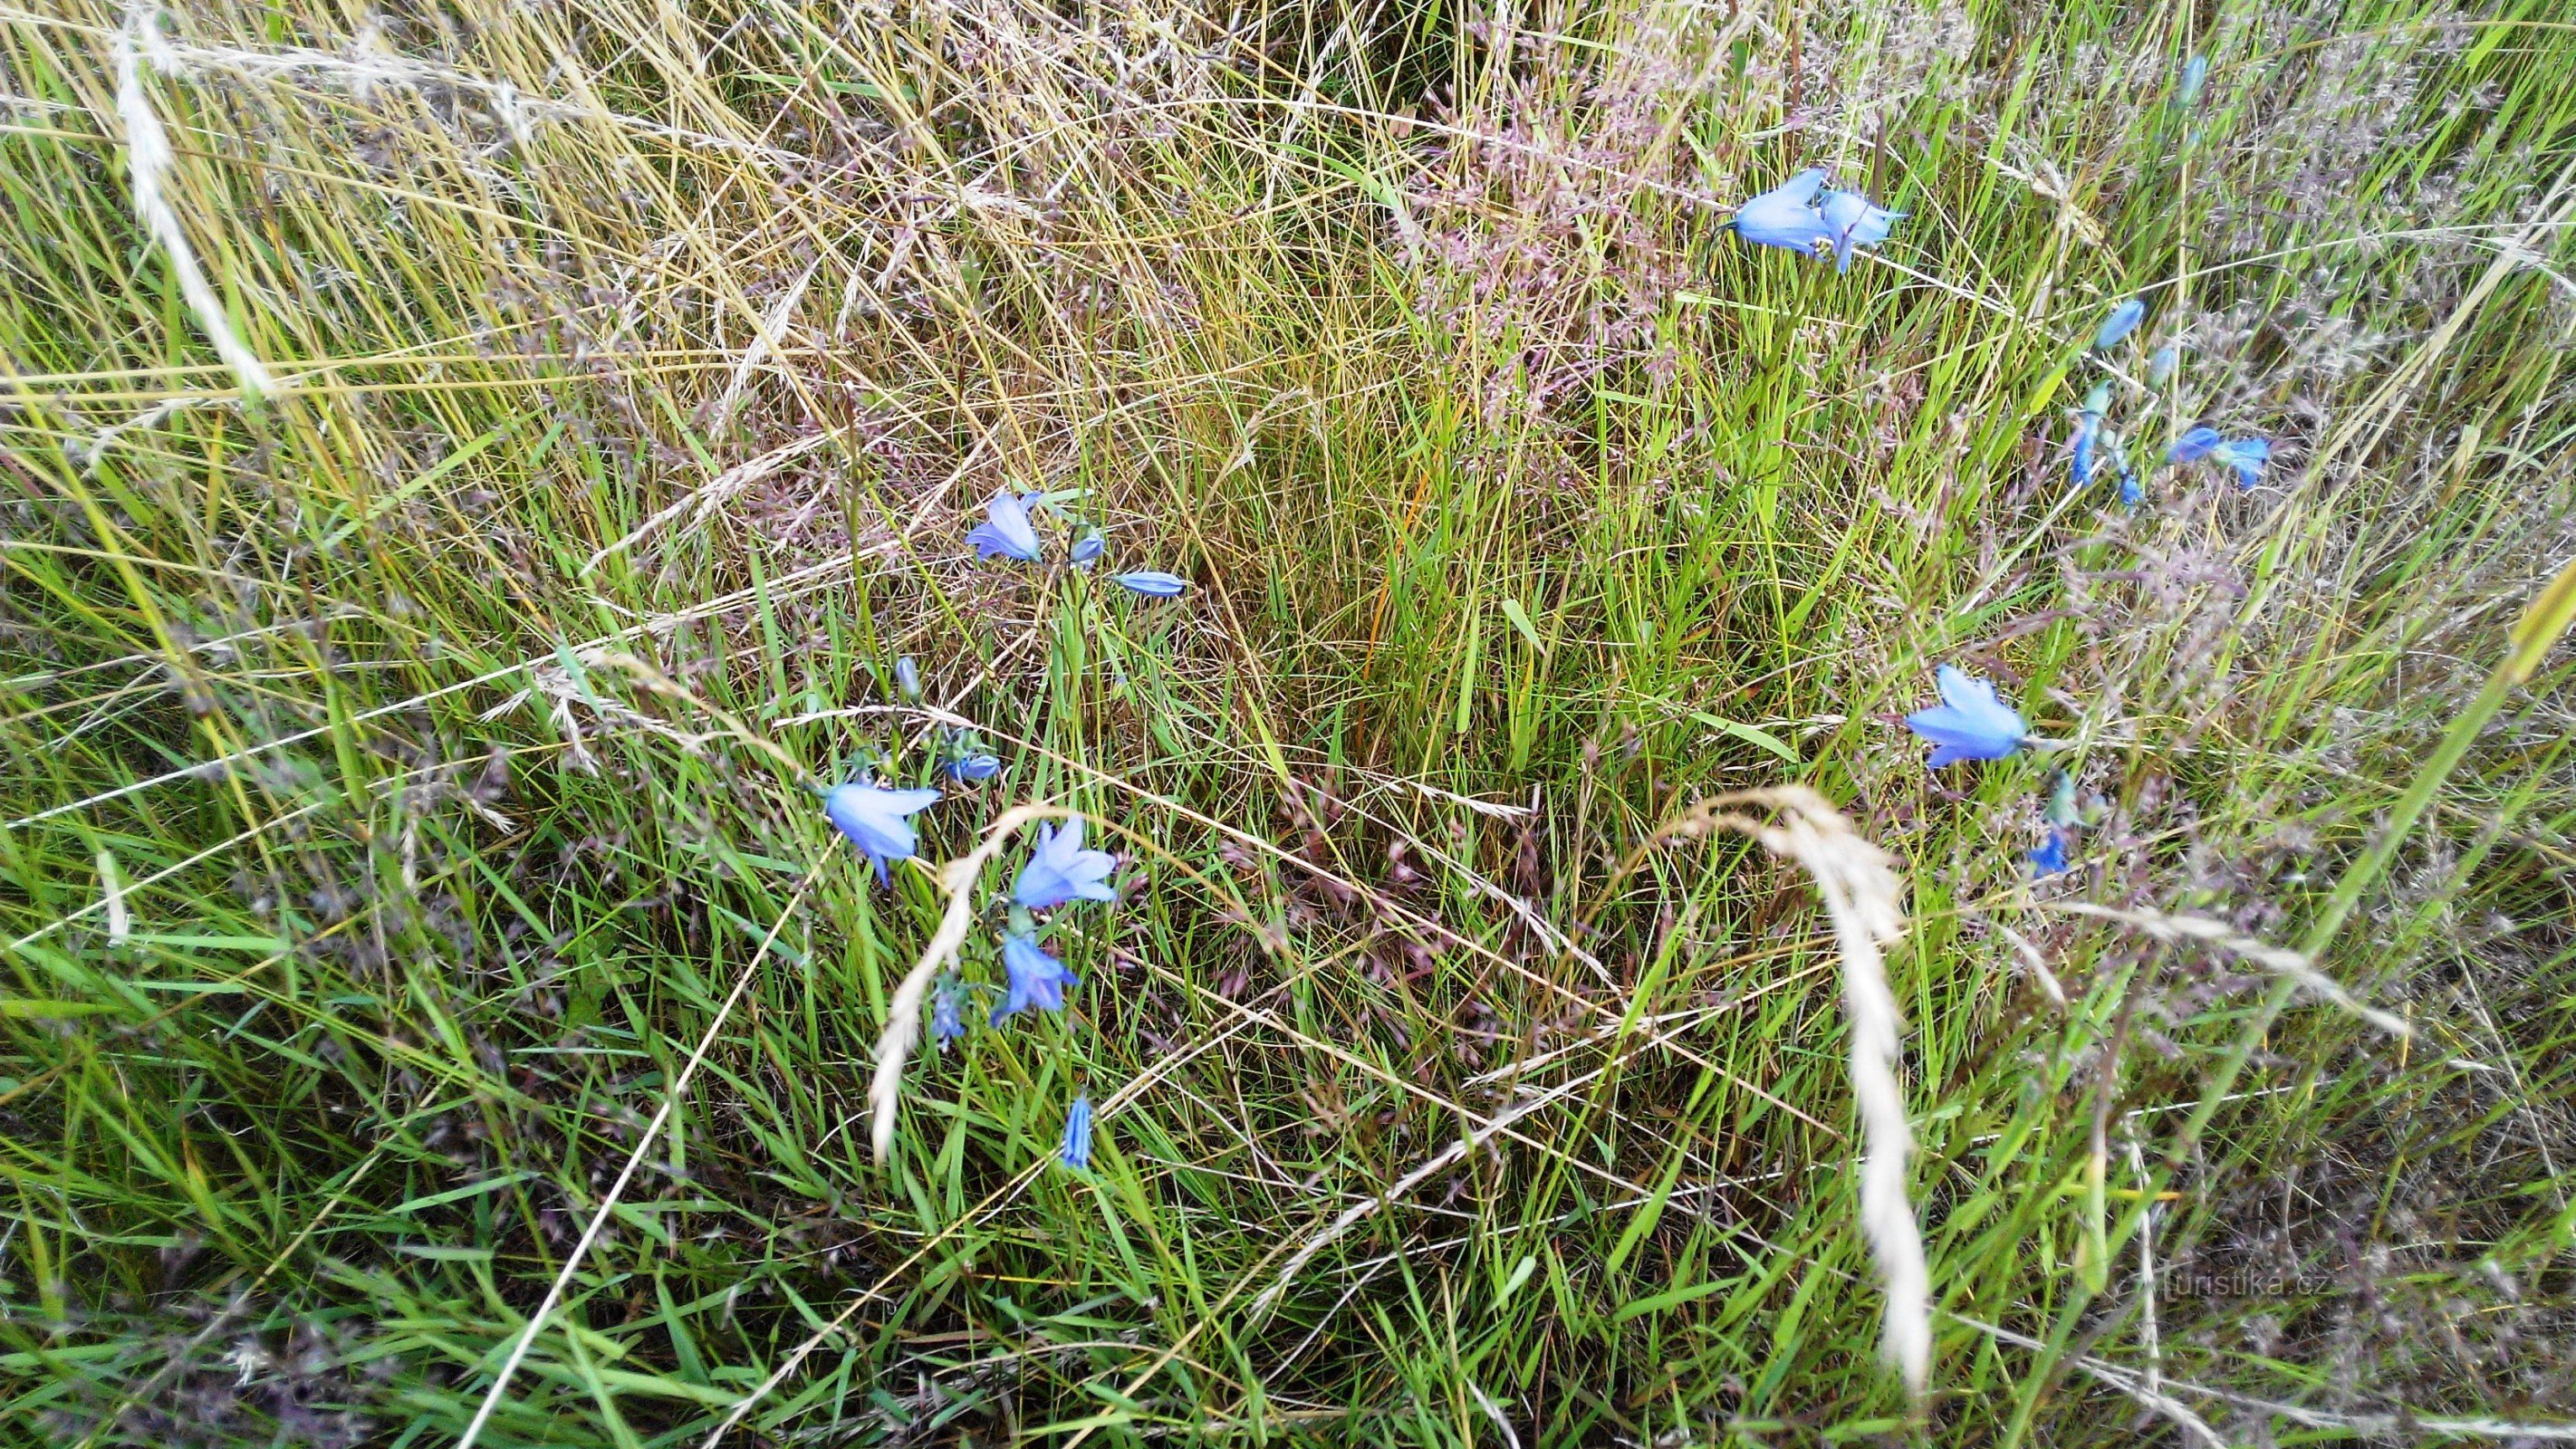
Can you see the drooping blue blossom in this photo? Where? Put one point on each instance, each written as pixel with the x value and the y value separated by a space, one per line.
pixel 873 817
pixel 970 769
pixel 1153 585
pixel 1786 216
pixel 2193 446
pixel 1007 533
pixel 1853 220
pixel 1036 979
pixel 1060 870
pixel 2160 367
pixel 2246 455
pixel 2061 809
pixel 2195 73
pixel 2132 492
pixel 2050 858
pixel 2088 433
pixel 907 680
pixel 1969 723
pixel 945 1024
pixel 1088 547
pixel 2124 319
pixel 1076 1152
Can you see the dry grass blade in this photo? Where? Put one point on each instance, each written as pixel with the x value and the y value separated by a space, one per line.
pixel 1861 892
pixel 148 161
pixel 2279 960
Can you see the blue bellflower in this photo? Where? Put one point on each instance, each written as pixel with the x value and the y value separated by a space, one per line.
pixel 945 1025
pixel 972 768
pixel 2195 74
pixel 2050 858
pixel 873 818
pixel 1969 723
pixel 1090 546
pixel 1076 1152
pixel 1060 870
pixel 2246 455
pixel 1153 585
pixel 1008 533
pixel 2115 329
pixel 1853 220
pixel 2088 432
pixel 1036 979
pixel 1786 215
pixel 2160 368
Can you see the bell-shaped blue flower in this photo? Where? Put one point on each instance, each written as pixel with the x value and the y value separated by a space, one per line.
pixel 2088 433
pixel 2132 492
pixel 1088 547
pixel 1786 216
pixel 2050 858
pixel 1969 723
pixel 2193 446
pixel 1853 220
pixel 1036 979
pixel 2195 74
pixel 1060 870
pixel 1007 532
pixel 2160 367
pixel 970 769
pixel 1076 1152
pixel 907 680
pixel 873 818
pixel 1153 585
pixel 2115 329
pixel 945 1024
pixel 2246 455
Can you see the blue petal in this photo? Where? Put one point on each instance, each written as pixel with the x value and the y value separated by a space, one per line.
pixel 2050 858
pixel 2160 368
pixel 974 768
pixel 873 819
pixel 2087 425
pixel 1852 220
pixel 2123 320
pixel 1970 723
pixel 1008 533
pixel 2195 72
pixel 1090 546
pixel 2247 456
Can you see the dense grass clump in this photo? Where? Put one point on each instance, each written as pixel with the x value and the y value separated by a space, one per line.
pixel 472 472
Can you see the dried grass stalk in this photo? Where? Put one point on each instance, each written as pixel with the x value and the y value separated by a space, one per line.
pixel 1860 888
pixel 903 1015
pixel 148 160
pixel 2279 960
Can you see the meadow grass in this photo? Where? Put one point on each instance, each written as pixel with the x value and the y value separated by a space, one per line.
pixel 415 899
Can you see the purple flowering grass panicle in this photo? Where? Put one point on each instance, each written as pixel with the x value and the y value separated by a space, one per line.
pixel 1076 1151
pixel 2115 329
pixel 873 817
pixel 1060 870
pixel 1786 216
pixel 1853 220
pixel 1036 979
pixel 1153 585
pixel 1970 723
pixel 1007 532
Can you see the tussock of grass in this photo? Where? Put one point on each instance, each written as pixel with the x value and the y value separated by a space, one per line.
pixel 409 763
